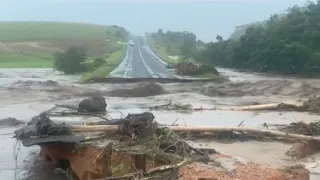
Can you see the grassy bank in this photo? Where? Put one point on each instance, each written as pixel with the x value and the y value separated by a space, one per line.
pixel 25 61
pixel 160 50
pixel 112 62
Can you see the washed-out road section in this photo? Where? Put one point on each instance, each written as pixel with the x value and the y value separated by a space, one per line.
pixel 141 62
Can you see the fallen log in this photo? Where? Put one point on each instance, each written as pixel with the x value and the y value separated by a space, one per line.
pixel 272 106
pixel 100 128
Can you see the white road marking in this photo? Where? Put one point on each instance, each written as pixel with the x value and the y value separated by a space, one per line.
pixel 158 59
pixel 129 64
pixel 145 64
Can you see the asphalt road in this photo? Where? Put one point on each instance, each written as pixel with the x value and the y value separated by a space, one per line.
pixel 140 62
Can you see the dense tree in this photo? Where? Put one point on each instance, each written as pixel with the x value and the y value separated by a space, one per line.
pixel 70 61
pixel 177 43
pixel 288 44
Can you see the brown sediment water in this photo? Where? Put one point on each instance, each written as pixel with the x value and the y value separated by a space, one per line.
pixel 24 97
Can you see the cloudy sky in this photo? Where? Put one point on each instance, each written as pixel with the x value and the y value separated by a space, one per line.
pixel 206 18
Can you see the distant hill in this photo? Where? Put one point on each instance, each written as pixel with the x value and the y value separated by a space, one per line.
pixel 48 37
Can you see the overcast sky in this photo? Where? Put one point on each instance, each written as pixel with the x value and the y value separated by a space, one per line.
pixel 206 18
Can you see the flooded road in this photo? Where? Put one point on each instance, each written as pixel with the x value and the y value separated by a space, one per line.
pixel 28 92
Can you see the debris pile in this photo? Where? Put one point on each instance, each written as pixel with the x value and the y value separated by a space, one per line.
pixel 172 106
pixel 302 148
pixel 136 147
pixel 141 90
pixel 93 104
pixel 152 149
pixel 311 129
pixel 312 105
pixel 188 68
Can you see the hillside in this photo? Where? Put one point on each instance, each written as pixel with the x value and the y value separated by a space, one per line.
pixel 42 39
pixel 285 44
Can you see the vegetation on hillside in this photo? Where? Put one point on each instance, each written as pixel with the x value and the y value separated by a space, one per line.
pixel 181 44
pixel 287 44
pixel 22 41
pixel 102 69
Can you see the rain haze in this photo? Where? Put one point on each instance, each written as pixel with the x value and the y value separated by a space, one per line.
pixel 151 89
pixel 204 18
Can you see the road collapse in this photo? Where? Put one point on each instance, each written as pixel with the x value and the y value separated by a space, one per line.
pixel 137 147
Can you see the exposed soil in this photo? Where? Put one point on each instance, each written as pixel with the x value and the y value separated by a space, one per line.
pixel 252 171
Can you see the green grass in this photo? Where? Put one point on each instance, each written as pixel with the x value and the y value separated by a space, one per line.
pixel 54 34
pixel 104 70
pixel 50 31
pixel 161 51
pixel 25 61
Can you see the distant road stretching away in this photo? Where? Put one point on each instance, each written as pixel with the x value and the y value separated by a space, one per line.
pixel 141 62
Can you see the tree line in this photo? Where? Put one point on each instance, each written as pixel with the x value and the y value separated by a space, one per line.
pixel 286 44
pixel 177 43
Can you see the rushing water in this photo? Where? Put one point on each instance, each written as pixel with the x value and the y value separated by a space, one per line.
pixel 11 75
pixel 32 101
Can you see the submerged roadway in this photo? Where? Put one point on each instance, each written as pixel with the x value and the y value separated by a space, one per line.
pixel 141 62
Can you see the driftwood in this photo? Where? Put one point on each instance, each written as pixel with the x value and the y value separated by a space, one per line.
pixel 272 106
pixel 167 167
pixel 201 129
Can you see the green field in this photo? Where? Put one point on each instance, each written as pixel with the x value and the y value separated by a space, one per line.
pixel 18 39
pixel 25 61
pixel 51 31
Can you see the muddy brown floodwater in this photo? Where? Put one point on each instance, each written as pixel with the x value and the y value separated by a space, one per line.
pixel 27 92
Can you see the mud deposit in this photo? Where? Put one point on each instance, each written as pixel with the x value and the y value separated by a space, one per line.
pixel 26 93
